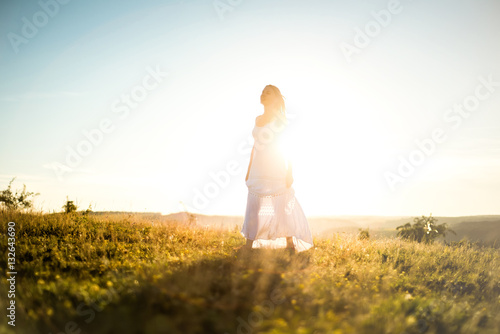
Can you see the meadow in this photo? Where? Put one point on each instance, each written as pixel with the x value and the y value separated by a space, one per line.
pixel 79 273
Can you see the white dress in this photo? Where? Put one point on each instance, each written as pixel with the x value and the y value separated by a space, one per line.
pixel 273 213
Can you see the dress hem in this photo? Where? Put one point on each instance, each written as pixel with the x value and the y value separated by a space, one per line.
pixel 280 243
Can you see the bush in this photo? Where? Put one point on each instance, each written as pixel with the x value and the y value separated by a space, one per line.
pixel 424 230
pixel 364 234
pixel 18 200
pixel 69 207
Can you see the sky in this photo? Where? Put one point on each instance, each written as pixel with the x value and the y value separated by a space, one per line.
pixel 393 106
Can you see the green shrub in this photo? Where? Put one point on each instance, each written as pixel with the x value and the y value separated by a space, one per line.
pixel 364 234
pixel 424 230
pixel 69 207
pixel 18 200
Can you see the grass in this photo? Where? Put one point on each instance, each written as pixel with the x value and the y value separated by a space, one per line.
pixel 120 274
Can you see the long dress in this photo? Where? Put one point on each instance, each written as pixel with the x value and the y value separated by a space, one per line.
pixel 272 213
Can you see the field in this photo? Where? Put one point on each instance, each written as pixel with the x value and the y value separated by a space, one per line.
pixel 129 274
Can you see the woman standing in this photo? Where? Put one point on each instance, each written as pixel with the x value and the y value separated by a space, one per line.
pixel 273 218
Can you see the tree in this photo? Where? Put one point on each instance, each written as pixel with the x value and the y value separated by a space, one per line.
pixel 18 200
pixel 364 234
pixel 69 207
pixel 424 230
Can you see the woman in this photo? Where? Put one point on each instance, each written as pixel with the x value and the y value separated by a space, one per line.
pixel 273 218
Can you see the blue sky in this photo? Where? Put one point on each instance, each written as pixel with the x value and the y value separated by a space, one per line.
pixel 352 117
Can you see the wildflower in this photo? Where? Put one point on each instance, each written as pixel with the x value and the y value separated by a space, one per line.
pixel 410 320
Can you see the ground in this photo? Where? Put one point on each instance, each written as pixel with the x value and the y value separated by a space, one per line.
pixel 127 274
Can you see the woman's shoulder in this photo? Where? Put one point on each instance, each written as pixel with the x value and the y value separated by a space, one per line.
pixel 260 121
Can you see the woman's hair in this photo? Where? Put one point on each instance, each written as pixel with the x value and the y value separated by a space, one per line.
pixel 280 101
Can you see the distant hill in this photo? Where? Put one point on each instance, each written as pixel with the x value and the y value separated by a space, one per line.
pixel 222 222
pixel 481 229
pixel 483 232
pixel 110 213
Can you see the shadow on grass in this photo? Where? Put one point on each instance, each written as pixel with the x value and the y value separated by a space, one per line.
pixel 238 293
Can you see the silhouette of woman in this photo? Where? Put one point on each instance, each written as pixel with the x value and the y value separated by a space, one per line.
pixel 274 217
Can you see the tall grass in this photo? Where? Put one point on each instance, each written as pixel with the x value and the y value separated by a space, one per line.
pixel 128 274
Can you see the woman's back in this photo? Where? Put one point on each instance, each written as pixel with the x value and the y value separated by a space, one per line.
pixel 268 160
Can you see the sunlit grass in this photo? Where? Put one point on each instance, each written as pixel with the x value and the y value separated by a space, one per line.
pixel 130 274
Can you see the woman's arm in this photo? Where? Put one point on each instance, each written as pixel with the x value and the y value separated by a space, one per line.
pixel 250 164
